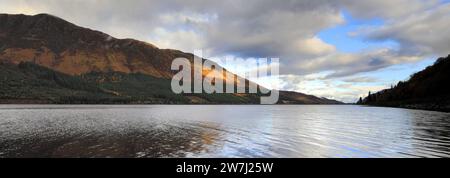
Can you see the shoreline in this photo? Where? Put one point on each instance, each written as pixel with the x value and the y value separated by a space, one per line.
pixel 415 107
pixel 425 107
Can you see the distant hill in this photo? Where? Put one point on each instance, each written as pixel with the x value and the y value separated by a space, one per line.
pixel 289 97
pixel 428 89
pixel 45 59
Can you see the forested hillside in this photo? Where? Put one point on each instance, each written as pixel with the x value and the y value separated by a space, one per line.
pixel 428 89
pixel 31 83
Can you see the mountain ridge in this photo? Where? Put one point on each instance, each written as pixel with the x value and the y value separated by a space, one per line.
pixel 58 44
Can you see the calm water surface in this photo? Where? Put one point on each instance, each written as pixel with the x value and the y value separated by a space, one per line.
pixel 221 131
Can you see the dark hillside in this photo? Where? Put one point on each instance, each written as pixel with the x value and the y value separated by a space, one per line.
pixel 428 89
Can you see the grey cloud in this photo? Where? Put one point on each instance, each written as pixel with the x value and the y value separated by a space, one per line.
pixel 361 80
pixel 423 33
pixel 387 9
pixel 343 65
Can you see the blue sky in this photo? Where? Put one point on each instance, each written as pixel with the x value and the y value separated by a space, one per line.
pixel 340 36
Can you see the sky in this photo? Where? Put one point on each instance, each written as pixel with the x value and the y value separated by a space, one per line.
pixel 339 49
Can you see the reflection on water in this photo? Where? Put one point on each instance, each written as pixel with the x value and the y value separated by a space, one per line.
pixel 221 131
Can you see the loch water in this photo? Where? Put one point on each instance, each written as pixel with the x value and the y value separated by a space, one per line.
pixel 274 131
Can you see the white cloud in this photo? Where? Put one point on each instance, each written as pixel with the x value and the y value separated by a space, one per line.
pixel 314 46
pixel 342 90
pixel 185 40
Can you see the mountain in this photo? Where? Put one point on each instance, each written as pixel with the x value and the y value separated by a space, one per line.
pixel 45 59
pixel 428 89
pixel 290 97
pixel 62 46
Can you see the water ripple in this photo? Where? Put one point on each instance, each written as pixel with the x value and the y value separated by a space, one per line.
pixel 221 131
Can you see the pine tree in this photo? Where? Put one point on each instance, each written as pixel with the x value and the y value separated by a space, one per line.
pixel 369 98
pixel 360 101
